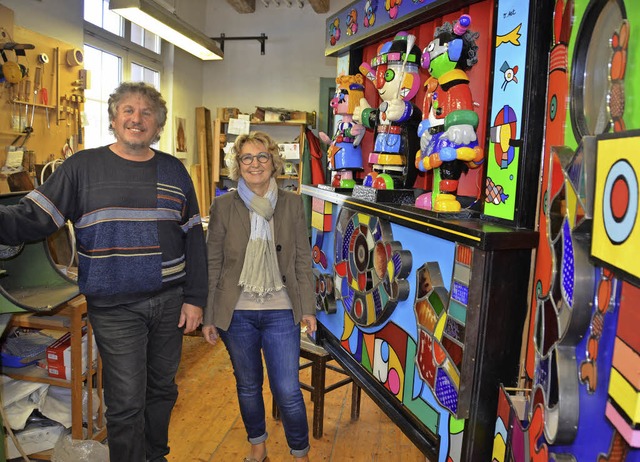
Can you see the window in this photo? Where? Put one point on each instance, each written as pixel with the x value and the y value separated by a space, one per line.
pixel 96 131
pixel 144 38
pixel 97 12
pixel 115 50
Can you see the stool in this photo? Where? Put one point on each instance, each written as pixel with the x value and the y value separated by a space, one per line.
pixel 318 358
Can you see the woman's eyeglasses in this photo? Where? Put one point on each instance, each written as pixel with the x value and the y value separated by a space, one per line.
pixel 247 159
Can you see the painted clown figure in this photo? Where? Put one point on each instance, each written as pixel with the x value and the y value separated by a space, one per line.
pixel 395 73
pixel 448 140
pixel 344 153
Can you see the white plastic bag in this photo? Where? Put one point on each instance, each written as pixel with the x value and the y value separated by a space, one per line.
pixel 70 450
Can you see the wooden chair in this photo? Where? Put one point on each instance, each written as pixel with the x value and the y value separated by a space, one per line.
pixel 318 358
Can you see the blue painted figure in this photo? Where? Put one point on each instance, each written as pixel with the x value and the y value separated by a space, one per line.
pixel 395 73
pixel 344 153
pixel 448 140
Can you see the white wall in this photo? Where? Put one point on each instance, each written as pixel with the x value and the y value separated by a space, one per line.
pixel 287 75
pixel 182 82
pixel 60 19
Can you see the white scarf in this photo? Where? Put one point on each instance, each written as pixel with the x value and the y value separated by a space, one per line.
pixel 260 273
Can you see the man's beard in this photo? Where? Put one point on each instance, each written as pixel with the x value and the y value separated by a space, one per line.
pixel 135 145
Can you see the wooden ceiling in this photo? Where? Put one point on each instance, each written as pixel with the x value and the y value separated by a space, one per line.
pixel 249 6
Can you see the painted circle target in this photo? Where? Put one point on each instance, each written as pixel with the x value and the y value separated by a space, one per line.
pixel 360 251
pixel 620 201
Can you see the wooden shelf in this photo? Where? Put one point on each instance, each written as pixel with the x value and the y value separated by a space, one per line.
pixel 28 103
pixel 70 317
pixel 55 320
pixel 219 171
pixel 13 133
pixel 282 124
pixel 36 374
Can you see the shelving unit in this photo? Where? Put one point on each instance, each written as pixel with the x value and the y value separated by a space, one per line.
pixel 70 317
pixel 282 132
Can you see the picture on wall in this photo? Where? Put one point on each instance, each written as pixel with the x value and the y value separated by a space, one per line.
pixel 181 134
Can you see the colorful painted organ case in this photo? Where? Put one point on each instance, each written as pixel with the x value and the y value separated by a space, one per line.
pixel 419 311
pixel 426 311
pixel 561 160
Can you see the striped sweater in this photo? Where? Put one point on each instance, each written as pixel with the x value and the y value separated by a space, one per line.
pixel 137 225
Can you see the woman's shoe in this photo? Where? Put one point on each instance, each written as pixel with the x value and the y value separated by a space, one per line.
pixel 253 459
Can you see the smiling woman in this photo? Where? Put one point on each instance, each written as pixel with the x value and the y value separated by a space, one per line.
pixel 256 159
pixel 261 290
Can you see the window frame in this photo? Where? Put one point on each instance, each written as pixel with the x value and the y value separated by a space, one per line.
pixel 128 52
pixel 123 47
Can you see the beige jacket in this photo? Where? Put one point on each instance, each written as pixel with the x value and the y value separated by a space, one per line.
pixel 227 239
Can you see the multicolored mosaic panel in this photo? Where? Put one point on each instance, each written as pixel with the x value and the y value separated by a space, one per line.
pixel 441 319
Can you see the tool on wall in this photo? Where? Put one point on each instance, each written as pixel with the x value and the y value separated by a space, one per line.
pixel 80 120
pixel 16 119
pixel 12 70
pixel 75 57
pixel 37 83
pixel 26 94
pixel 44 99
pixel 56 64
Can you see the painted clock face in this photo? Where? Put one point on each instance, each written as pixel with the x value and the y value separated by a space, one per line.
pixel 597 95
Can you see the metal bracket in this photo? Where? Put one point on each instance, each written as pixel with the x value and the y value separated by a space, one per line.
pixel 262 38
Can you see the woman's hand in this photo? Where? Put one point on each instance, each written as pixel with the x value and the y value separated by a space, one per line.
pixel 310 322
pixel 210 334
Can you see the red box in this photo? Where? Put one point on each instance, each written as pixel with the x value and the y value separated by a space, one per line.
pixel 59 356
pixel 59 372
pixel 55 351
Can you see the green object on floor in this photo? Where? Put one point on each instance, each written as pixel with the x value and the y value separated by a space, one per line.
pixel 2 451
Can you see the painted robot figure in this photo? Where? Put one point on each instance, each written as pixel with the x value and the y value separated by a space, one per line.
pixel 448 140
pixel 395 73
pixel 344 153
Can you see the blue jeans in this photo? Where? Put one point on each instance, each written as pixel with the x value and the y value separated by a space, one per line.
pixel 273 333
pixel 140 345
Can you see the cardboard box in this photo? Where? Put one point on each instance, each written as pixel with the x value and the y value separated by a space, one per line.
pixel 59 355
pixel 60 372
pixel 308 118
pixel 226 113
pixel 274 116
pixel 290 151
pixel 33 439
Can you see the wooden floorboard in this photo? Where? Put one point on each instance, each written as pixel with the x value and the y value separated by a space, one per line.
pixel 206 424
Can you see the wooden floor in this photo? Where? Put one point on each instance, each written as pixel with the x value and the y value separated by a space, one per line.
pixel 206 424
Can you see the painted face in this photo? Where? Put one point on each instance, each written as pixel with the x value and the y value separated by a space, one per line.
pixel 340 102
pixel 135 125
pixel 256 174
pixel 391 77
pixel 435 58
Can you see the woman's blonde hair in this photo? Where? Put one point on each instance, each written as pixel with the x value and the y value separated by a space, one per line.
pixel 255 138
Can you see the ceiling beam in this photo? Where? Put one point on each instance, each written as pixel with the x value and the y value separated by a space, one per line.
pixel 243 6
pixel 320 6
pixel 249 6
